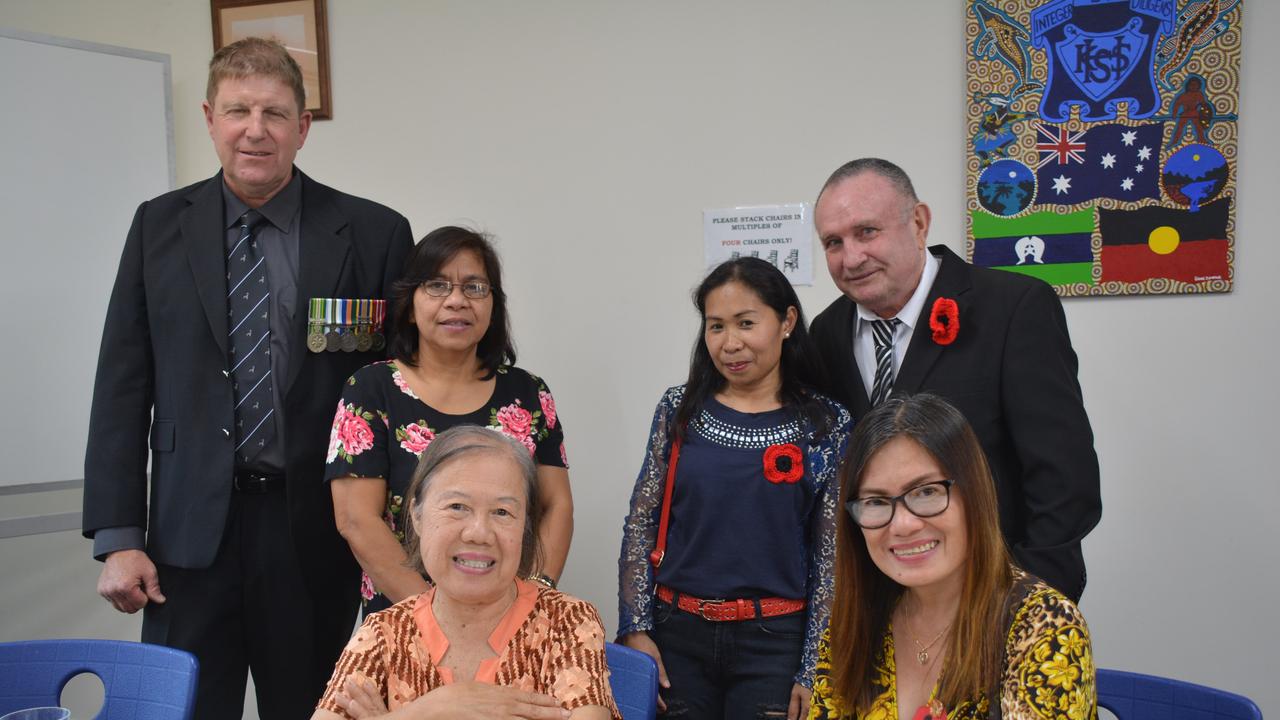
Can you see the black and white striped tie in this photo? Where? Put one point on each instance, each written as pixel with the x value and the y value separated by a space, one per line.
pixel 882 332
pixel 249 347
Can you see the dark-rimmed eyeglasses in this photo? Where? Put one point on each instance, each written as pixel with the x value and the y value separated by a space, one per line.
pixel 923 501
pixel 474 289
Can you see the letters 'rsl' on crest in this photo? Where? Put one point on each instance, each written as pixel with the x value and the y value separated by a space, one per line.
pixel 1100 54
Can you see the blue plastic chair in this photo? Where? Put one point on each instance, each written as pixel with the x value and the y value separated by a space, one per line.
pixel 141 682
pixel 633 676
pixel 1132 696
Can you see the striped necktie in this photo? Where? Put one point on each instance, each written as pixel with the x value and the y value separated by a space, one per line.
pixel 882 332
pixel 249 347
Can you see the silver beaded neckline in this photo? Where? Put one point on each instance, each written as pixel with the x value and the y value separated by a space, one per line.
pixel 729 435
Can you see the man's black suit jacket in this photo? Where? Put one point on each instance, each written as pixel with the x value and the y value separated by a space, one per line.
pixel 162 392
pixel 1012 372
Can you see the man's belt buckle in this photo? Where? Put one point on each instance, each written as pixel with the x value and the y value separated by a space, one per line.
pixel 252 483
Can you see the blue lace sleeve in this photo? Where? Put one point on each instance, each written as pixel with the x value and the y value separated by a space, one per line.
pixel 825 455
pixel 640 531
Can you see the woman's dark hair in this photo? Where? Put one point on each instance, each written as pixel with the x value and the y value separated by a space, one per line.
pixel 424 262
pixel 801 375
pixel 865 597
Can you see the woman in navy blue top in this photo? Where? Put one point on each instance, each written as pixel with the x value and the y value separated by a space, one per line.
pixel 733 606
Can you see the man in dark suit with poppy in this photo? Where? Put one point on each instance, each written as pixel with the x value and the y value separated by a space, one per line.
pixel 229 546
pixel 919 319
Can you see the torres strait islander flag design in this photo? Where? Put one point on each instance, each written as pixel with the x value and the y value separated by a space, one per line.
pixel 1160 242
pixel 1054 247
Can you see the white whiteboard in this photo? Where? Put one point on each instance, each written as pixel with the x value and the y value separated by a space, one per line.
pixel 86 134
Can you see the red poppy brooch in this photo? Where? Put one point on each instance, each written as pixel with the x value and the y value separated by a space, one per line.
pixel 783 464
pixel 944 321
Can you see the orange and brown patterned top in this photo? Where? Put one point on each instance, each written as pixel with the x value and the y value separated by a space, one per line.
pixel 548 642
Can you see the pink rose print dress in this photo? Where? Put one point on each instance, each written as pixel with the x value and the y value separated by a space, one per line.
pixel 381 427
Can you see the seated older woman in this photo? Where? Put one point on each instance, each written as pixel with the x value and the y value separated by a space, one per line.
pixel 482 642
pixel 921 567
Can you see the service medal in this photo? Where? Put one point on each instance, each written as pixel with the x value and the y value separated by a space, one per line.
pixel 316 342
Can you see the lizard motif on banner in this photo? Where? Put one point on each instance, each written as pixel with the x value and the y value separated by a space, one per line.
pixel 1199 23
pixel 1003 39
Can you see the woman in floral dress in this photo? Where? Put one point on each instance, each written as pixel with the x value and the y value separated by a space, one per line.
pixel 452 363
pixel 931 620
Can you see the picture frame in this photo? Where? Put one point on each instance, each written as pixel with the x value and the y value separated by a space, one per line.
pixel 300 25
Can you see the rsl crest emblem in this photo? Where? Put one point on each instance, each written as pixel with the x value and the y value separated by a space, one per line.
pixel 1099 54
pixel 1100 62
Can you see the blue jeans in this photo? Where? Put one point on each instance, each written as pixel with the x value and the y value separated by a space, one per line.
pixel 732 670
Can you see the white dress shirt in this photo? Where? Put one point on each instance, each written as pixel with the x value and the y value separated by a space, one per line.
pixel 864 346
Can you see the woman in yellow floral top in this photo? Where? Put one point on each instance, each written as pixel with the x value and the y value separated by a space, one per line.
pixel 921 568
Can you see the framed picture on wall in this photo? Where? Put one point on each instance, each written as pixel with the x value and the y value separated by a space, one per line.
pixel 299 25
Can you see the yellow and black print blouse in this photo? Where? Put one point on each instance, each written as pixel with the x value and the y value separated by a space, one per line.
pixel 1048 671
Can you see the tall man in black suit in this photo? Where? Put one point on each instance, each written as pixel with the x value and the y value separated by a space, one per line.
pixel 1007 363
pixel 233 554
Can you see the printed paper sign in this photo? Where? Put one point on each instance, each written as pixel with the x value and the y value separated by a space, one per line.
pixel 779 234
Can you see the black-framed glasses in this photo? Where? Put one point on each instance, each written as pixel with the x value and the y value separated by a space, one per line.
pixel 474 289
pixel 923 501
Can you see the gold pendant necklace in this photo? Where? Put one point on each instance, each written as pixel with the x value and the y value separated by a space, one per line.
pixel 923 654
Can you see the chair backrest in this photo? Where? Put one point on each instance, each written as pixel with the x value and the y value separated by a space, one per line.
pixel 1132 696
pixel 633 676
pixel 139 681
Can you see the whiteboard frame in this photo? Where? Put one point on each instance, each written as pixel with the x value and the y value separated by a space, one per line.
pixel 162 58
pixel 165 63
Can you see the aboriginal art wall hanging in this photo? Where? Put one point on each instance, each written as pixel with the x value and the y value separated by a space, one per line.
pixel 1102 142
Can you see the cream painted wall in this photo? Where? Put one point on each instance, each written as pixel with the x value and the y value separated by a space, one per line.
pixel 588 136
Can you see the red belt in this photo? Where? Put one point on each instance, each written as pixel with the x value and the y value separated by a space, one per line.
pixel 729 610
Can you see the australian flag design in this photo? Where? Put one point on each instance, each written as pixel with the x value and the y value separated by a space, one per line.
pixel 1111 161
pixel 1100 54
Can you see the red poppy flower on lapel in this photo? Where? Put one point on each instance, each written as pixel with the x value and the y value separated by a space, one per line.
pixel 783 463
pixel 944 321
